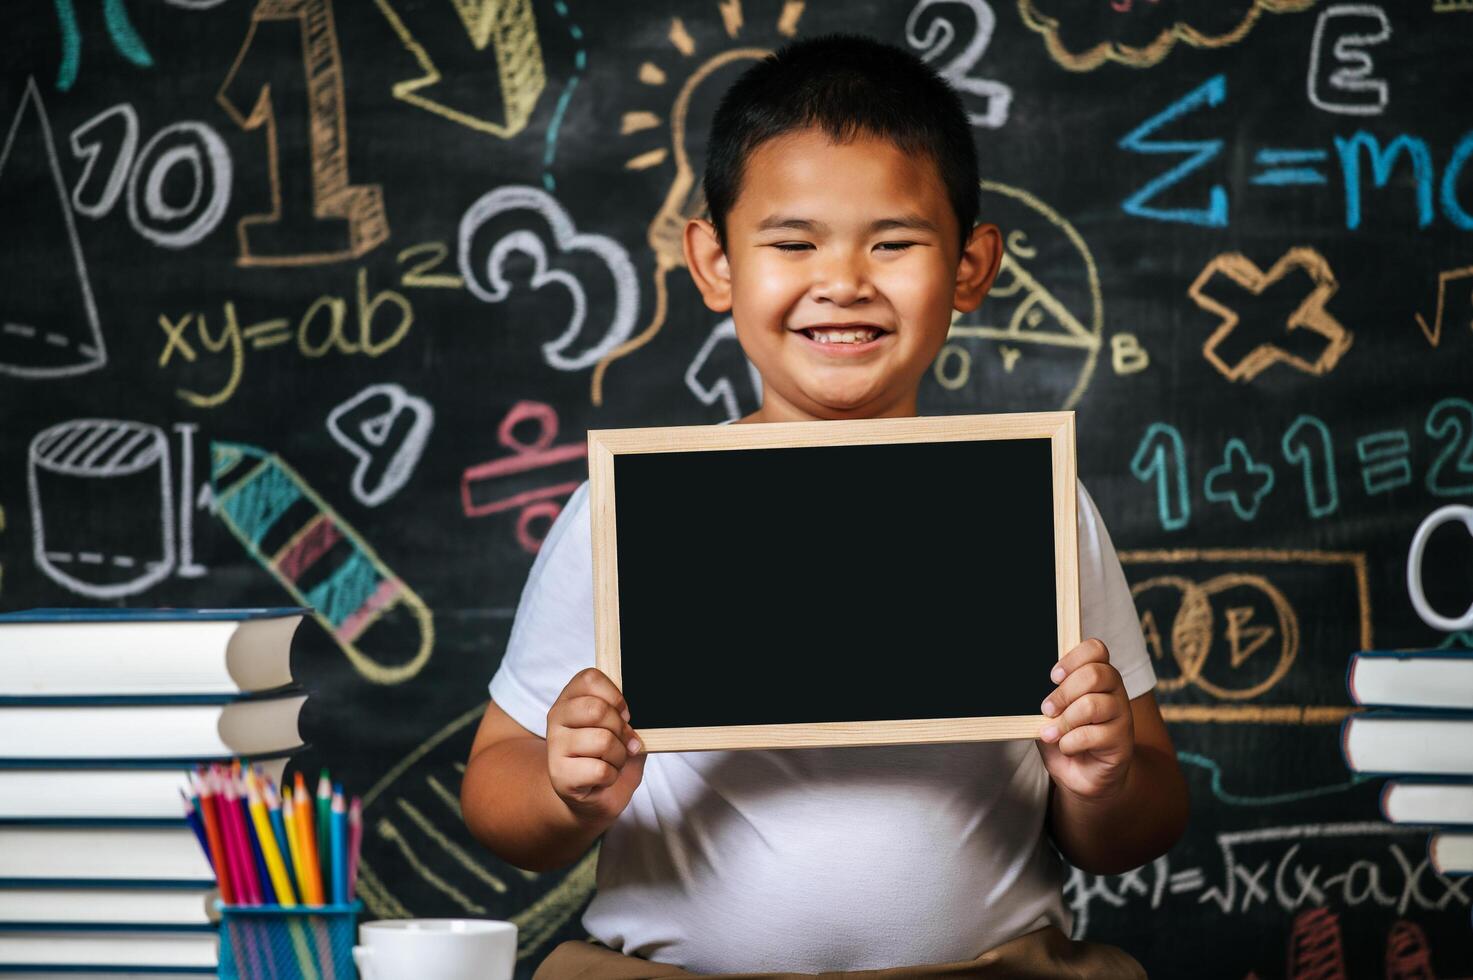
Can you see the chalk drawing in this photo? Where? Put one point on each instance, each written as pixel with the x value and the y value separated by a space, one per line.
pixel 291 532
pixel 1350 88
pixel 32 347
pixel 569 350
pixel 385 428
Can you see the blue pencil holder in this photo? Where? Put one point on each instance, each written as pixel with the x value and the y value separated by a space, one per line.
pixel 269 942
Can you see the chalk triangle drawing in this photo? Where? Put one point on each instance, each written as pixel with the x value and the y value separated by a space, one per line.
pixel 40 336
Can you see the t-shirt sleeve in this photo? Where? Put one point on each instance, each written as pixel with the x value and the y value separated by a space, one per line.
pixel 1106 609
pixel 552 634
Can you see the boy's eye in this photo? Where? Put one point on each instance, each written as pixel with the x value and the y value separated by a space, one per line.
pixel 791 246
pixel 894 246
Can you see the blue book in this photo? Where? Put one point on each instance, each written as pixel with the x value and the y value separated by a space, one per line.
pixel 1417 743
pixel 61 654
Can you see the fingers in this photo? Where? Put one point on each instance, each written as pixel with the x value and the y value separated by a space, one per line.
pixel 594 682
pixel 1092 650
pixel 1090 678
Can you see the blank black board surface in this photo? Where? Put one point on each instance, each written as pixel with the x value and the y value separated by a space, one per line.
pixel 836 583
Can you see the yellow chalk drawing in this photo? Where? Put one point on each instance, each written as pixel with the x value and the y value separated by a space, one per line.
pixel 1434 332
pixel 510 28
pixel 1309 315
pixel 341 220
pixel 1194 632
pixel 420 275
pixel 418 824
pixel 323 328
pixel 1038 317
pixel 685 199
pixel 1148 54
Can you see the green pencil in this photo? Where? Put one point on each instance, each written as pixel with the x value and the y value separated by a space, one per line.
pixel 324 822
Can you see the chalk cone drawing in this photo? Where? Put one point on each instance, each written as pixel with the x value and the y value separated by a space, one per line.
pixel 102 506
pixel 383 627
pixel 385 428
pixel 42 334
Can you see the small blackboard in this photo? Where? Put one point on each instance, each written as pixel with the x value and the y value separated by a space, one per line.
pixel 851 582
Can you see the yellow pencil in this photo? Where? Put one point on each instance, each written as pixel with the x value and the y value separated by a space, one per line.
pixel 289 820
pixel 308 841
pixel 279 878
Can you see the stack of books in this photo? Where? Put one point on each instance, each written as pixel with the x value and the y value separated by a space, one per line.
pixel 103 715
pixel 1424 738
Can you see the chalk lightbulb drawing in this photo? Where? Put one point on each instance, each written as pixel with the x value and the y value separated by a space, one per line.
pixel 685 198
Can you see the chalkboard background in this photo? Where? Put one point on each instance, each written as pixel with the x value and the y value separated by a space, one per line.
pixel 1265 331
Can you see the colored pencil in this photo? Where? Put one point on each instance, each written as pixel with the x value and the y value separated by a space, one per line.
pixel 192 817
pixel 307 837
pixel 278 829
pixel 355 844
pixel 213 837
pixel 244 867
pixel 266 840
pixel 324 831
pixel 339 848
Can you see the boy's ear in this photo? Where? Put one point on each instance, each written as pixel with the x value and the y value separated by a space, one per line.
pixel 706 260
pixel 977 268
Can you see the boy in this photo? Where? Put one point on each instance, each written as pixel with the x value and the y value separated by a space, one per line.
pixel 842 188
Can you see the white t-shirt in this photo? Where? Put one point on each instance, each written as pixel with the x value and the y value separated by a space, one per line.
pixel 822 859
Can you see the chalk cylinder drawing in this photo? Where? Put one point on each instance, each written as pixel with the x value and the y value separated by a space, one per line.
pixel 102 506
pixel 381 625
pixel 1434 520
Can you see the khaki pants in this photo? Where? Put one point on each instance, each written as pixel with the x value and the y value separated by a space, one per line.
pixel 1045 954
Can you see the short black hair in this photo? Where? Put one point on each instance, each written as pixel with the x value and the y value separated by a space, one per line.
pixel 846 85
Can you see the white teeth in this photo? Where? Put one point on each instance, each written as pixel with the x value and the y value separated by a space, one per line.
pixel 830 335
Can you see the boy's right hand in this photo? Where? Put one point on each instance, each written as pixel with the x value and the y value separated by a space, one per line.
pixel 590 760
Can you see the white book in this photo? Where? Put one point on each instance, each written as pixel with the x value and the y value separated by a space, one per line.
pixel 102 853
pixel 109 948
pixel 152 731
pixel 109 906
pixel 1436 803
pixel 131 652
pixel 117 793
pixel 1421 679
pixel 1425 745
pixel 1451 854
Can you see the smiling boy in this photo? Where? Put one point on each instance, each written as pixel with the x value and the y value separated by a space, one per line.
pixel 842 189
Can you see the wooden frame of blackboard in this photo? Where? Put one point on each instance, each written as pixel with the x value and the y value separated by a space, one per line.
pixel 605 444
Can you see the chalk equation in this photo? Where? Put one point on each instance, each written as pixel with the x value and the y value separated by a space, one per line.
pixel 1283 869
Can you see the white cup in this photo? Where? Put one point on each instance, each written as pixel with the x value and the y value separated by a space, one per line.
pixel 437 949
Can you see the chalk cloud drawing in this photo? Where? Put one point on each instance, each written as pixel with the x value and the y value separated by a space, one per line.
pixel 939 35
pixel 102 506
pixel 42 336
pixel 1082 37
pixel 385 428
pixel 570 350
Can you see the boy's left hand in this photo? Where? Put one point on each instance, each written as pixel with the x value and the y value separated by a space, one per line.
pixel 1089 740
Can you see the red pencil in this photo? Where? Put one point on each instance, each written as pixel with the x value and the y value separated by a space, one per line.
pixel 211 821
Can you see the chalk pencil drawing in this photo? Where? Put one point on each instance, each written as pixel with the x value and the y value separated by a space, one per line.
pixel 381 624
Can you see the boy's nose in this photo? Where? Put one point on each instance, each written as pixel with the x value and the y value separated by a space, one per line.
pixel 841 279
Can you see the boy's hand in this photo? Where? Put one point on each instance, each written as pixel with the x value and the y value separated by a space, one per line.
pixel 590 759
pixel 1089 741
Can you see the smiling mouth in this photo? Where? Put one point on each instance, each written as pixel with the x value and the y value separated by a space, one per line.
pixel 854 334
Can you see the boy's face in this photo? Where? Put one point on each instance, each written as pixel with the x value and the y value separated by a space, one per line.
pixel 841 271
